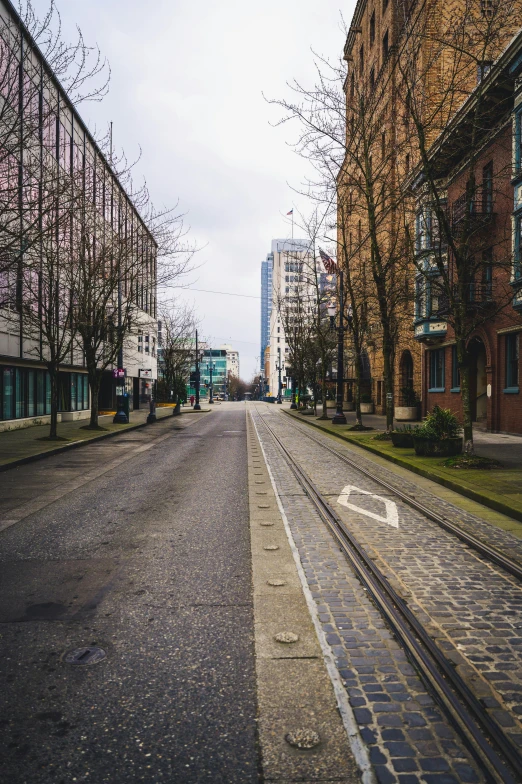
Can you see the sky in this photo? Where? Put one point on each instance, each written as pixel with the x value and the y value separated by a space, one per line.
pixel 188 81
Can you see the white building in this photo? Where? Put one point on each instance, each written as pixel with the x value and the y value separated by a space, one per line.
pixel 58 150
pixel 292 261
pixel 232 360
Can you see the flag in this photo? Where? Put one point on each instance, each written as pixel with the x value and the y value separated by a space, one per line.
pixel 290 213
pixel 329 264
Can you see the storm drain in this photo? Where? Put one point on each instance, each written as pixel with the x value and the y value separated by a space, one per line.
pixel 90 655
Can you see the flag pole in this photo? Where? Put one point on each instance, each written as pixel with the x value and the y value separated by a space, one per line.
pixel 292 224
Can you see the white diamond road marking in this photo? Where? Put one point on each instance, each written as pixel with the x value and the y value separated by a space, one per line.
pixel 392 515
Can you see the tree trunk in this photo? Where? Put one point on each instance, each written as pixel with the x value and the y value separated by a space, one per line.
pixel 463 360
pixel 53 373
pixel 94 385
pixel 324 415
pixel 388 385
pixel 358 378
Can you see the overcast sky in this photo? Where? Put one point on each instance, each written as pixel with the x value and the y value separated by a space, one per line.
pixel 187 84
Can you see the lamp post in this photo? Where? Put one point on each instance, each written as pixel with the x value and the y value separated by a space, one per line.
pixel 197 406
pixel 339 418
pixel 294 404
pixel 210 368
pixel 279 398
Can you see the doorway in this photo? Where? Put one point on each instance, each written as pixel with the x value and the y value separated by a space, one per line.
pixel 135 394
pixel 407 395
pixel 478 381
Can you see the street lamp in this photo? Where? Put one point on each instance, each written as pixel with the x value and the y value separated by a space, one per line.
pixel 197 406
pixel 294 404
pixel 279 398
pixel 210 368
pixel 339 418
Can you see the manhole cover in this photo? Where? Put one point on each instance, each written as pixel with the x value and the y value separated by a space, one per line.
pixel 286 637
pixel 271 547
pixel 90 655
pixel 303 739
pixel 276 582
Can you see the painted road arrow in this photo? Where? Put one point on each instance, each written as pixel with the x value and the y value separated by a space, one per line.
pixel 392 515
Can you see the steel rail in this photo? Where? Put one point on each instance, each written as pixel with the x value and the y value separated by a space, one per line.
pixel 465 711
pixel 484 549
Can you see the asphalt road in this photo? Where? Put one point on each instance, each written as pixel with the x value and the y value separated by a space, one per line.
pixel 149 560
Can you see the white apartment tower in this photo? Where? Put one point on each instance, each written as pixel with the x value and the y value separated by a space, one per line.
pixel 292 259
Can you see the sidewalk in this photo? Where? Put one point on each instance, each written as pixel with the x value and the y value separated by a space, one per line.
pixel 499 489
pixel 26 444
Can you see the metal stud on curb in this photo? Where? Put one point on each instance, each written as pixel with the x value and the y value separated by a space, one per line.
pixel 263 506
pixel 286 637
pixel 276 583
pixel 88 655
pixel 303 739
pixel 266 523
pixel 271 547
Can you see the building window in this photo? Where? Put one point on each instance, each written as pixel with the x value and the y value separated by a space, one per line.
pixel 385 46
pixel 361 58
pixel 483 69
pixel 487 274
pixel 512 362
pixel 487 188
pixel 372 29
pixel 437 370
pixel 488 7
pixel 407 163
pixel 384 5
pixel 455 372
pixel 352 85
pixel 372 78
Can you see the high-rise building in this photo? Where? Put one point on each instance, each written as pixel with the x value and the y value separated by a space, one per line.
pixel 292 260
pixel 266 305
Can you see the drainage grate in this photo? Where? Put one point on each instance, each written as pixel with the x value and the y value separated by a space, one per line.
pixel 90 655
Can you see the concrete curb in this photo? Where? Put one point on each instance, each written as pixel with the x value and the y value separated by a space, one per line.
pixel 294 683
pixel 485 500
pixel 75 444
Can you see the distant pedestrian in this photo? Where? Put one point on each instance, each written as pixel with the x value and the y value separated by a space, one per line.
pixel 192 398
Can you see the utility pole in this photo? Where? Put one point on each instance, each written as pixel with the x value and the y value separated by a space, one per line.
pixel 197 406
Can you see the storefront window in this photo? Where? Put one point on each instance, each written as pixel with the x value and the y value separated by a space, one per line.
pixel 7 394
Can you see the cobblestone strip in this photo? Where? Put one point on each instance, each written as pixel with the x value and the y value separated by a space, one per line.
pixel 472 609
pixel 409 739
pixel 502 540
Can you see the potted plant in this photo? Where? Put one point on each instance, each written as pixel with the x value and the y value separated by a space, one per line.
pixel 403 436
pixel 366 404
pixel 409 411
pixel 439 435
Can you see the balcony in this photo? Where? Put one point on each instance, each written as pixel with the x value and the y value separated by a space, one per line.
pixel 478 296
pixel 429 330
pixel 475 214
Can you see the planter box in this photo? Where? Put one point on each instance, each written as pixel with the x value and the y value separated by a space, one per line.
pixel 446 447
pixel 331 404
pixel 406 413
pixel 366 408
pixel 349 406
pixel 403 440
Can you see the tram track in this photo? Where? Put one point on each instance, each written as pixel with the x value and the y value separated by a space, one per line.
pixel 509 565
pixel 499 758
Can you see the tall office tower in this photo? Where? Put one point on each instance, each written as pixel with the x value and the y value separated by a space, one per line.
pixel 266 305
pixel 292 262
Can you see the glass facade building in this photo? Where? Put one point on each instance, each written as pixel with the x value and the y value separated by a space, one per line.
pixel 266 304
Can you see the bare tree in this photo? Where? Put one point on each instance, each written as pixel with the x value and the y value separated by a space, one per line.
pixel 176 349
pixel 353 164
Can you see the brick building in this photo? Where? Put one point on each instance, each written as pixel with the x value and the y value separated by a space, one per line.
pixel 493 297
pixel 385 39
